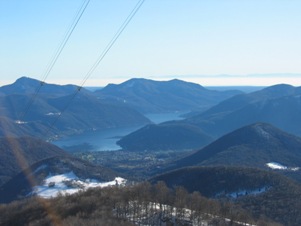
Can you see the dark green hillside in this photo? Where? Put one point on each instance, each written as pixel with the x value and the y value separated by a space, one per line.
pixel 171 136
pixel 252 146
pixel 261 192
pixel 148 96
pixel 17 154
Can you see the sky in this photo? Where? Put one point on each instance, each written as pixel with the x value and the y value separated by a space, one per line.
pixel 210 42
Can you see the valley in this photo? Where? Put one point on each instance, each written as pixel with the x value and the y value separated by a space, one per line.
pixel 238 152
pixel 136 166
pixel 150 113
pixel 105 139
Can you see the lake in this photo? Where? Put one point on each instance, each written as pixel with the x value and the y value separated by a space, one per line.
pixel 105 140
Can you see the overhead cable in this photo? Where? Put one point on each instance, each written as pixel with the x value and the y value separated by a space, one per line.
pixel 55 57
pixel 112 42
pixel 99 59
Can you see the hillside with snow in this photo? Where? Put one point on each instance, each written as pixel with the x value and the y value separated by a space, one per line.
pixel 69 183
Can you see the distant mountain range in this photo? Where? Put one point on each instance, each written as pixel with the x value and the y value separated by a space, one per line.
pixel 149 96
pixel 279 105
pixel 242 143
pixel 26 85
pixel 82 112
pixel 32 107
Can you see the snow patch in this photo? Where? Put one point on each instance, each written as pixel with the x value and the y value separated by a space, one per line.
pixel 278 166
pixel 20 122
pixel 52 113
pixel 69 183
pixel 275 165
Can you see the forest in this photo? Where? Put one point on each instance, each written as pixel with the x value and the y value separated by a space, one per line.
pixel 136 204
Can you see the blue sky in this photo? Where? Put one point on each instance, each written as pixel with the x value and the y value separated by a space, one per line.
pixel 211 42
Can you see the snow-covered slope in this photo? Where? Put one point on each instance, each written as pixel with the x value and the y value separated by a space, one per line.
pixel 69 183
pixel 278 166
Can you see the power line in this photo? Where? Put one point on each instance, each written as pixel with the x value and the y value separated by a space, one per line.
pixel 56 55
pixel 68 34
pixel 15 147
pixel 99 59
pixel 113 40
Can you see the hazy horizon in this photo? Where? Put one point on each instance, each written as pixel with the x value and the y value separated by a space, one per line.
pixel 212 43
pixel 206 81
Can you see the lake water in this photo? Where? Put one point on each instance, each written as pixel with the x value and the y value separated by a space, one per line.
pixel 105 140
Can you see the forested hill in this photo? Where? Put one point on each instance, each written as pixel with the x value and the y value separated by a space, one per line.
pixel 262 193
pixel 139 204
pixel 26 162
pixel 173 136
pixel 254 145
pixel 22 184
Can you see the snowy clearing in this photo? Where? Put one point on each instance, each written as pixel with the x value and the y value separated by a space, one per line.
pixel 53 114
pixel 69 183
pixel 20 122
pixel 278 166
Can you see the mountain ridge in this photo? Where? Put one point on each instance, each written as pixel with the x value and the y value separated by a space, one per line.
pixel 281 101
pixel 27 85
pixel 144 95
pixel 279 105
pixel 25 113
pixel 254 145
